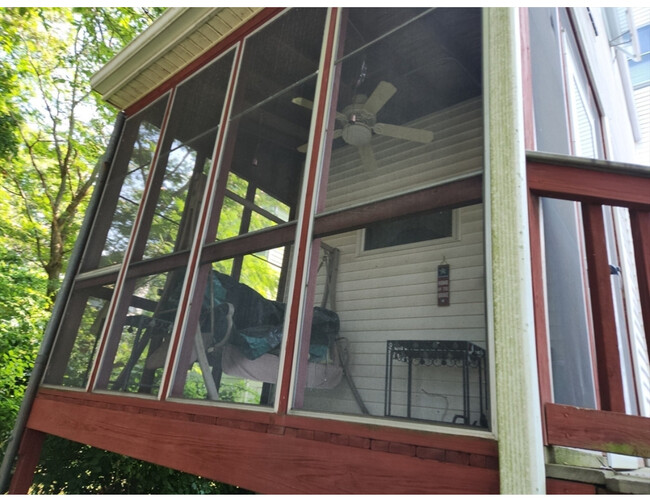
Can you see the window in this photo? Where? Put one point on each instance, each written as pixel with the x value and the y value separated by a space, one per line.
pixel 418 228
pixel 406 125
pixel 87 307
pixel 245 263
pixel 207 266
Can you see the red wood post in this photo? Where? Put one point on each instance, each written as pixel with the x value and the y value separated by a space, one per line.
pixel 28 455
pixel 539 308
pixel 640 224
pixel 602 307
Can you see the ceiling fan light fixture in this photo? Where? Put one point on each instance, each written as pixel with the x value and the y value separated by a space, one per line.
pixel 357 134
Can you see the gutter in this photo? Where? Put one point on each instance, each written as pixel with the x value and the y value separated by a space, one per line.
pixel 58 309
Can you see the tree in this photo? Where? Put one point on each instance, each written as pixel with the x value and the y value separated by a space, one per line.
pixel 62 127
pixel 22 313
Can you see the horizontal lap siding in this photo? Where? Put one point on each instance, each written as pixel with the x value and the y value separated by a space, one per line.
pixel 456 149
pixel 391 293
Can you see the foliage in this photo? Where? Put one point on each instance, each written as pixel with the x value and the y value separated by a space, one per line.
pixel 23 316
pixel 63 127
pixel 72 468
pixel 8 121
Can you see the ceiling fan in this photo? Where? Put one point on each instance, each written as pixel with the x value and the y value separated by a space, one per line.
pixel 359 123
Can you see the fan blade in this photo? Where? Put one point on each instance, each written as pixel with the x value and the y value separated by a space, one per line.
pixel 403 132
pixel 367 158
pixel 335 134
pixel 308 104
pixel 379 97
pixel 341 117
pixel 302 102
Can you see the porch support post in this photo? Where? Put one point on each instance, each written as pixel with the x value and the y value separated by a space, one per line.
pixel 29 454
pixel 518 419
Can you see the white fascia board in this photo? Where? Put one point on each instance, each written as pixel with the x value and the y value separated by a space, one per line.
pixel 168 30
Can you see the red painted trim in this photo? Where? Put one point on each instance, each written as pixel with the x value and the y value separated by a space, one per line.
pixel 194 411
pixel 221 47
pixel 307 318
pixel 640 225
pixel 266 459
pixel 527 80
pixel 454 194
pixel 610 381
pixel 562 487
pixel 117 293
pixel 29 453
pixel 539 306
pixel 598 430
pixel 192 266
pixel 587 302
pixel 567 182
pixel 304 228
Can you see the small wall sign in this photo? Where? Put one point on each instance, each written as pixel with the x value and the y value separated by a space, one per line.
pixel 443 284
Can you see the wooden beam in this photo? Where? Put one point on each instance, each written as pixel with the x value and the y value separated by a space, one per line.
pixel 578 184
pixel 450 195
pixel 192 411
pixel 258 460
pixel 561 487
pixel 28 457
pixel 598 430
pixel 539 306
pixel 260 240
pixel 640 224
pixel 610 381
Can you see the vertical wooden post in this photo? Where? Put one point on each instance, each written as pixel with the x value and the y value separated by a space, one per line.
pixel 29 454
pixel 608 361
pixel 539 306
pixel 640 224
pixel 519 427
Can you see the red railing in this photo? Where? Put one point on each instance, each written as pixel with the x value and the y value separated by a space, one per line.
pixel 594 184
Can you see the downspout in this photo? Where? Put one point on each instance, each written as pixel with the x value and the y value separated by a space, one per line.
pixel 59 306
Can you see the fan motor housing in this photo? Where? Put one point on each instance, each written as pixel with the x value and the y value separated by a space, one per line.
pixel 357 134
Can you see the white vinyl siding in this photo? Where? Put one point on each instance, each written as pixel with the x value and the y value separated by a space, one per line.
pixel 456 150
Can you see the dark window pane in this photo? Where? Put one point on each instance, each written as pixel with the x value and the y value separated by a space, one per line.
pixel 280 55
pixel 76 342
pixel 231 348
pixel 408 109
pixel 186 157
pixel 428 226
pixel 125 187
pixel 136 348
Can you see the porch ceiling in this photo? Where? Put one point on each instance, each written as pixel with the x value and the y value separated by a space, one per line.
pixel 174 40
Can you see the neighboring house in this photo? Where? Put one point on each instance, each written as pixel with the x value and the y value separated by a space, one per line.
pixel 639 67
pixel 363 251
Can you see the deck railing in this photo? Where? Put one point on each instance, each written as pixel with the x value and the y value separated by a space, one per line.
pixel 594 184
